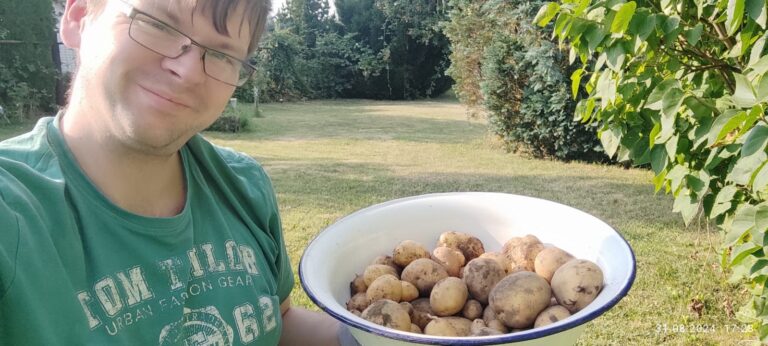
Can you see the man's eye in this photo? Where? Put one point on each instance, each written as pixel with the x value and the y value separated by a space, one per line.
pixel 157 26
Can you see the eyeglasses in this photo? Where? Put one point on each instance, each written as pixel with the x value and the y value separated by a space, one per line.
pixel 161 38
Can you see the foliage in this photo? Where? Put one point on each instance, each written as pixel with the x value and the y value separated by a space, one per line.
pixel 27 74
pixel 682 85
pixel 511 69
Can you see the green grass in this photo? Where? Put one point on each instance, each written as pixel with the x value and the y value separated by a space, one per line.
pixel 330 158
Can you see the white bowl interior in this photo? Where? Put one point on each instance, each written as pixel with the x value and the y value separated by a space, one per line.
pixel 346 247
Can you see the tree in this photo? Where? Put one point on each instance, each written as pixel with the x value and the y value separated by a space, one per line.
pixel 682 85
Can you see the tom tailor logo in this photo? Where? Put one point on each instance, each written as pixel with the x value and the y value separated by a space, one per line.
pixel 127 289
pixel 198 327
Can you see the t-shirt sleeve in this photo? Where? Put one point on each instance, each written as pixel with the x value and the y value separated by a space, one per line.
pixel 259 188
pixel 9 245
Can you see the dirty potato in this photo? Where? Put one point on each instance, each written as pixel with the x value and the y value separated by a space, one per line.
pixel 373 271
pixel 448 326
pixel 358 301
pixel 386 286
pixel 519 298
pixel 549 259
pixel 388 314
pixel 424 273
pixel 422 312
pixel 472 310
pixel 481 275
pixel 357 285
pixel 521 252
pixel 408 251
pixel 409 291
pixel 451 259
pixel 448 296
pixel 577 283
pixel 551 315
pixel 471 247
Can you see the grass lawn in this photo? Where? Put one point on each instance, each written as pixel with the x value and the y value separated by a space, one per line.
pixel 330 158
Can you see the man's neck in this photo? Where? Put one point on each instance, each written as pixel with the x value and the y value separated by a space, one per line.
pixel 147 185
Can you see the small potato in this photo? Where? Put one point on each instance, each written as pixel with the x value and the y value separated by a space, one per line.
pixel 358 301
pixel 409 291
pixel 356 313
pixel 576 284
pixel 422 312
pixel 548 260
pixel 386 286
pixel 478 328
pixel 407 307
pixel 451 259
pixel 471 247
pixel 389 314
pixel 408 251
pixel 387 260
pixel 472 310
pixel 498 326
pixel 519 298
pixel 373 271
pixel 488 314
pixel 448 326
pixel 357 285
pixel 448 296
pixel 551 315
pixel 498 257
pixel 416 329
pixel 481 275
pixel 521 252
pixel 424 273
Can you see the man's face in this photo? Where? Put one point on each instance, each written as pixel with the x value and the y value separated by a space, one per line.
pixel 141 99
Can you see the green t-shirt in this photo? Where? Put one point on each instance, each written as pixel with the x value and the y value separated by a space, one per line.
pixel 76 269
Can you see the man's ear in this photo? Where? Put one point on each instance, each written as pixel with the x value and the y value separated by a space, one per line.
pixel 72 22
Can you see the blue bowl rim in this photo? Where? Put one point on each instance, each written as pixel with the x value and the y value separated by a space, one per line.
pixel 474 341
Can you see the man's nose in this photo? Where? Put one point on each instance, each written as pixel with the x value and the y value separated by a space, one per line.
pixel 187 67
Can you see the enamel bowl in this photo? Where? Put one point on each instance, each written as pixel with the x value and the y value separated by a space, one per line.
pixel 346 247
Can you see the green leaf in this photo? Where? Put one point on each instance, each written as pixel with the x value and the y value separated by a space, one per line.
pixel 658 158
pixel 724 124
pixel 610 140
pixel 642 24
pixel 594 35
pixel 761 217
pixel 693 35
pixel 755 141
pixel 654 134
pixel 757 51
pixel 606 89
pixel 687 205
pixel 670 24
pixel 744 95
pixel 576 81
pixel 615 57
pixel 743 221
pixel 745 167
pixel 757 11
pixel 671 102
pixel 760 66
pixel 667 127
pixel 623 17
pixel 656 96
pixel 741 251
pixel 723 201
pixel 762 89
pixel 658 180
pixel 735 15
pixel 676 176
pixel 761 179
pixel 546 13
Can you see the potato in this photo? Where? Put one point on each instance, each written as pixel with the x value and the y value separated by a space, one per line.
pixel 480 275
pixel 478 328
pixel 521 252
pixel 469 246
pixel 548 260
pixel 519 298
pixel 472 310
pixel 373 271
pixel 388 314
pixel 387 260
pixel 409 291
pixel 408 251
pixel 386 286
pixel 448 296
pixel 498 257
pixel 448 326
pixel 498 326
pixel 358 301
pixel 424 273
pixel 577 283
pixel 451 259
pixel 407 307
pixel 356 313
pixel 357 285
pixel 551 315
pixel 422 312
pixel 416 329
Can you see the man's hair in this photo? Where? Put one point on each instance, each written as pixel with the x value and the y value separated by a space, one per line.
pixel 218 11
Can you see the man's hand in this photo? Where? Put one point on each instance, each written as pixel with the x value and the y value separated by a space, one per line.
pixel 303 327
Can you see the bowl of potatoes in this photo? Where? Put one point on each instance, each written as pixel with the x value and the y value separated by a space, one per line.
pixel 467 268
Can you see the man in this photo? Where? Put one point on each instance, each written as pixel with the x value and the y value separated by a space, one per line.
pixel 119 224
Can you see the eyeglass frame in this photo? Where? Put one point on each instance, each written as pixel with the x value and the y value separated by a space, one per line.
pixel 131 11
